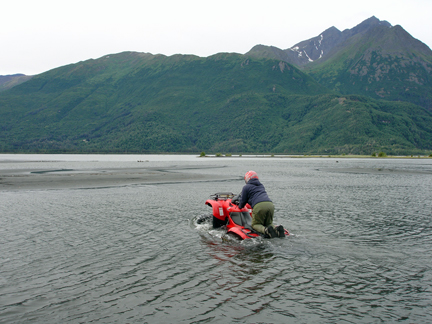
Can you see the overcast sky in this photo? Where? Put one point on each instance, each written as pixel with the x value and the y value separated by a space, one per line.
pixel 39 35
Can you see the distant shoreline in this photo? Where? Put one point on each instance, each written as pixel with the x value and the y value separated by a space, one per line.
pixel 320 156
pixel 134 157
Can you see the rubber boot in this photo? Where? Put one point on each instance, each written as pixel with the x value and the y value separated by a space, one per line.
pixel 270 232
pixel 280 231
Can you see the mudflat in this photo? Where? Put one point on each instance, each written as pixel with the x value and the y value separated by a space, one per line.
pixel 16 179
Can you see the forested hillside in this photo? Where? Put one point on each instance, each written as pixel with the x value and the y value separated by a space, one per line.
pixel 133 102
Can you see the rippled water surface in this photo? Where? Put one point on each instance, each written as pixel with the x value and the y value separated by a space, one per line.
pixel 360 249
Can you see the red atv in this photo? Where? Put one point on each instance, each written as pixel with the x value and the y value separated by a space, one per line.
pixel 226 212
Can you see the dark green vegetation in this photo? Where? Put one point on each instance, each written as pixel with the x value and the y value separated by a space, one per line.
pixel 229 103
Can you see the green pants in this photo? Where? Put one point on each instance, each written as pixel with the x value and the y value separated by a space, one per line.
pixel 262 216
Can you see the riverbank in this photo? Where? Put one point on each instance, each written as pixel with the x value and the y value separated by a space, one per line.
pixel 321 156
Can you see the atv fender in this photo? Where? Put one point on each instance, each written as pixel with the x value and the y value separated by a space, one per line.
pixel 242 233
pixel 219 208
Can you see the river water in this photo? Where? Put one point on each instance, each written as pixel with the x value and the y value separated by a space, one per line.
pixel 360 249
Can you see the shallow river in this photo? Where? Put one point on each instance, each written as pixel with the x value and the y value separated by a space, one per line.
pixel 360 249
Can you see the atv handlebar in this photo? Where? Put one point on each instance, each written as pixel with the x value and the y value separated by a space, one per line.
pixel 236 199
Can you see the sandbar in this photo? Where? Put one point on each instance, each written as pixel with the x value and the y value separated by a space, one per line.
pixel 29 179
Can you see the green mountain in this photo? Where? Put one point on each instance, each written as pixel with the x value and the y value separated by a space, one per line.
pixel 373 59
pixel 381 63
pixel 230 103
pixel 143 103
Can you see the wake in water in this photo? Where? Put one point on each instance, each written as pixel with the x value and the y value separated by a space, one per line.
pixel 203 225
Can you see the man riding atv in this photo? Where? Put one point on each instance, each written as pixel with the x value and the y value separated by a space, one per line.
pixel 255 195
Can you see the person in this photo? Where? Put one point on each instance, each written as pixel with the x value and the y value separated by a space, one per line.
pixel 256 196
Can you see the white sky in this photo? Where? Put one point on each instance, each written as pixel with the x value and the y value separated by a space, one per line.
pixel 39 35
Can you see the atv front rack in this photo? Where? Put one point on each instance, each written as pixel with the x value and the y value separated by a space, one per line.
pixel 222 196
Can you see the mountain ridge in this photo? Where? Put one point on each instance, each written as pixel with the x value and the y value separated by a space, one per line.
pixel 342 61
pixel 312 49
pixel 381 62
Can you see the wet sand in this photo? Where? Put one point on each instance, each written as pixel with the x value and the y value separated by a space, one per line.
pixel 376 171
pixel 28 179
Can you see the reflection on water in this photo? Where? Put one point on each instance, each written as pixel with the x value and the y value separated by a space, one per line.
pixel 360 249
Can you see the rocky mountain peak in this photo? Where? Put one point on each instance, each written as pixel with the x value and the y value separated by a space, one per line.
pixel 318 47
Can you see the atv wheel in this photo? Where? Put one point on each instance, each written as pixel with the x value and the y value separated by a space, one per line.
pixel 204 218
